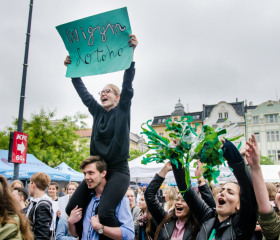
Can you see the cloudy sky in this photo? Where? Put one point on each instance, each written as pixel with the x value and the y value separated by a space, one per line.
pixel 201 51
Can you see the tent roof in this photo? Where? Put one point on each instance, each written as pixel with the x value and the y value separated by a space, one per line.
pixel 33 165
pixel 75 176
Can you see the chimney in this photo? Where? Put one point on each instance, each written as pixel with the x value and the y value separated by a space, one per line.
pixel 236 99
pixel 245 102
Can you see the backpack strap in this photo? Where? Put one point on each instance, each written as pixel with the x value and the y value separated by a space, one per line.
pixel 47 202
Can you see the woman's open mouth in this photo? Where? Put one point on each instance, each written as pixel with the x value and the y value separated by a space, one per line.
pixel 179 209
pixel 104 100
pixel 221 201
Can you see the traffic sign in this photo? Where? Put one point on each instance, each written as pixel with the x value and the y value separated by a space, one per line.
pixel 18 147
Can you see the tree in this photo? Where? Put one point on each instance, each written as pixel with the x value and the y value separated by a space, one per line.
pixel 135 154
pixel 266 161
pixel 50 141
pixel 4 139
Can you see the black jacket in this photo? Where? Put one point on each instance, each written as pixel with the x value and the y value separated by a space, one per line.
pixel 159 213
pixel 237 226
pixel 40 217
pixel 110 130
pixel 207 195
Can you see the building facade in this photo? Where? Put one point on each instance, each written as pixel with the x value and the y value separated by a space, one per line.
pixel 264 123
pixel 136 142
pixel 159 122
pixel 229 114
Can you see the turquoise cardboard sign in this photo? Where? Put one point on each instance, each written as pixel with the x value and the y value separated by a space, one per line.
pixel 98 44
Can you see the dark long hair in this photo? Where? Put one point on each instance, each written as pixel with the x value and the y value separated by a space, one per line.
pixel 149 224
pixel 172 217
pixel 8 207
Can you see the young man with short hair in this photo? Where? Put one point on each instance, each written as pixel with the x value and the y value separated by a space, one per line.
pixel 85 223
pixel 39 210
pixel 21 195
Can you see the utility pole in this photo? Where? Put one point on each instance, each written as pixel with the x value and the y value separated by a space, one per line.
pixel 23 83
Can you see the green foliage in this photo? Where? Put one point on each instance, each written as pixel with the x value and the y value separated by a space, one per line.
pixel 266 161
pixel 187 145
pixel 51 142
pixel 135 154
pixel 4 139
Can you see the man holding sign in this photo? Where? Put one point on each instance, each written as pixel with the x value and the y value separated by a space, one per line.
pixel 110 138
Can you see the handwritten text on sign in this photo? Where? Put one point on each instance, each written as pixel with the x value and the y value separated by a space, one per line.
pixel 98 44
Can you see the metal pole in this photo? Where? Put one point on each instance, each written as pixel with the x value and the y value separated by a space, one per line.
pixel 23 83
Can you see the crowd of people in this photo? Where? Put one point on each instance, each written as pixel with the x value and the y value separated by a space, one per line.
pixel 246 209
pixel 103 206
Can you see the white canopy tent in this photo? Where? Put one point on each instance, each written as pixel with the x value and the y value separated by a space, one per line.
pixel 75 176
pixel 271 173
pixel 145 173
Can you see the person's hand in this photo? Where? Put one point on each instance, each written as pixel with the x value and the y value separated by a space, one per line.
pixel 198 171
pixel 168 166
pixel 174 143
pixel 231 153
pixel 252 152
pixel 95 223
pixel 258 227
pixel 75 216
pixel 58 213
pixel 243 151
pixel 133 41
pixel 67 60
pixel 243 154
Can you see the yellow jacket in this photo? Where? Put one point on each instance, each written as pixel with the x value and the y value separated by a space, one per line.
pixel 11 230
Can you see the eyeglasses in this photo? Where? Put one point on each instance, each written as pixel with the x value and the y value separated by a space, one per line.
pixel 182 200
pixel 106 91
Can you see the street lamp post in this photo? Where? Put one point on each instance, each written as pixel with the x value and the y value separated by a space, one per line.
pixel 23 82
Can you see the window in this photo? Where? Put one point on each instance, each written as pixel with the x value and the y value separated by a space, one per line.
pixel 163 120
pixel 175 119
pixel 271 155
pixel 268 136
pixel 161 134
pixel 257 135
pixel 226 115
pixel 159 121
pixel 271 118
pixel 220 115
pixel 255 119
pixel 272 136
pixel 274 155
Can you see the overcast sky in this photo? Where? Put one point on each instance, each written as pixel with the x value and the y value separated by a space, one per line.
pixel 201 51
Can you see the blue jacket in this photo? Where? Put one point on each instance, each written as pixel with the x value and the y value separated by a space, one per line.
pixel 62 230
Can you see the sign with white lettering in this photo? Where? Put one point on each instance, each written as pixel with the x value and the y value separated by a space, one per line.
pixel 98 44
pixel 19 149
